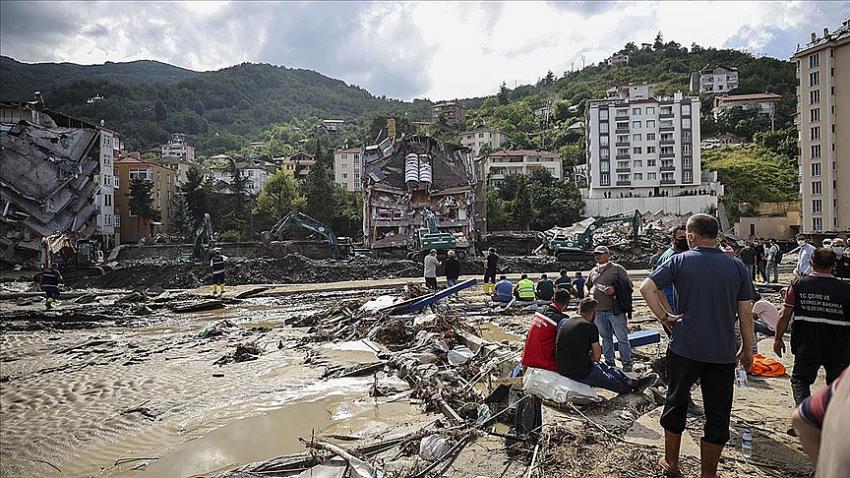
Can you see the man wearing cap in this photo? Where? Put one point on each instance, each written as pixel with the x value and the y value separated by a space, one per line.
pixel 610 319
pixel 430 265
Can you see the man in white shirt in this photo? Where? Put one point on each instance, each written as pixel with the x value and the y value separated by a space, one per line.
pixel 804 266
pixel 430 267
pixel 765 316
pixel 772 260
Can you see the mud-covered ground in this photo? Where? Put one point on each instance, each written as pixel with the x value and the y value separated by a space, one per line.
pixel 135 390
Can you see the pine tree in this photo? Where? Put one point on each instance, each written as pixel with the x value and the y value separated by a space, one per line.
pixel 182 223
pixel 321 202
pixel 141 202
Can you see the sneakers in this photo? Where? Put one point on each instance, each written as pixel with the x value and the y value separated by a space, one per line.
pixel 627 367
pixel 610 364
pixel 643 383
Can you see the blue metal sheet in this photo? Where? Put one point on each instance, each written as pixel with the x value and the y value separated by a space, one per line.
pixel 642 337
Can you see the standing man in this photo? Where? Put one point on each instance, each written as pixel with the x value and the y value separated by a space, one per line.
pixel 678 244
pixel 490 266
pixel 773 257
pixel 452 269
pixel 653 261
pixel 545 288
pixel 430 265
pixel 577 354
pixel 748 257
pixel 578 285
pixel 761 259
pixel 804 259
pixel 842 260
pixel 820 337
pixel 49 284
pixel 611 320
pixel 217 265
pixel 524 289
pixel 539 350
pixel 702 346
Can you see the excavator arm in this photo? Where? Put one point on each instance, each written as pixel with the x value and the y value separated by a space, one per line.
pixel 296 218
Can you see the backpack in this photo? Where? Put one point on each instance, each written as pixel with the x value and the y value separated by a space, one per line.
pixel 778 257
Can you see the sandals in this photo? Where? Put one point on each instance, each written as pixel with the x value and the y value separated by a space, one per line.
pixel 668 472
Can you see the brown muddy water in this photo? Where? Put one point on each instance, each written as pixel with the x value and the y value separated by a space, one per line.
pixel 150 392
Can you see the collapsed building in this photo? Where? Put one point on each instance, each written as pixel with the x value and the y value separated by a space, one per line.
pixel 49 183
pixel 403 177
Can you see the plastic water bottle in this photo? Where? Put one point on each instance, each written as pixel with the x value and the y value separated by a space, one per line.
pixel 747 442
pixel 741 377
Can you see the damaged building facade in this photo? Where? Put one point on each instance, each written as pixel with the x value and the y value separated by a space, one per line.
pixel 403 177
pixel 56 176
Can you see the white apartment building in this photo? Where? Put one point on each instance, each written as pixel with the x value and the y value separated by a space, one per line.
pixel 110 147
pixel 501 164
pixel 481 136
pixel 257 172
pixel 640 146
pixel 178 148
pixel 348 168
pixel 764 103
pixel 823 117
pixel 718 79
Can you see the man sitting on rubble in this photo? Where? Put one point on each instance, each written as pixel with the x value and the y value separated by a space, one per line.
pixel 524 289
pixel 539 350
pixel 504 290
pixel 578 354
pixel 545 288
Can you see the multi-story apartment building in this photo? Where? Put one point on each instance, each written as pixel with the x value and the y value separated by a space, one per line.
pixel 177 147
pixel 717 79
pixel 348 168
pixel 110 149
pixel 451 110
pixel 618 59
pixel 481 136
pixel 257 171
pixel 132 228
pixel 823 120
pixel 499 165
pixel 180 166
pixel 299 164
pixel 763 102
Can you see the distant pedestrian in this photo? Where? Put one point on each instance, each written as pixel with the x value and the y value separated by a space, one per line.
pixel 804 259
pixel 761 258
pixel 820 304
pixel 490 266
pixel 578 285
pixel 217 263
pixel 611 318
pixel 774 254
pixel 524 289
pixel 653 261
pixel 49 284
pixel 545 289
pixel 430 265
pixel 452 269
pixel 748 257
pixel 714 292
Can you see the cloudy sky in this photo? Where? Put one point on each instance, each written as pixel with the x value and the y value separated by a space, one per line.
pixel 402 50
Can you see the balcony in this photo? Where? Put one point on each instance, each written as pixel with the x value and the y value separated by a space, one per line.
pixel 667 141
pixel 624 170
pixel 621 118
pixel 621 144
pixel 623 156
pixel 668 181
pixel 666 128
pixel 665 115
pixel 667 155
pixel 621 130
pixel 624 183
pixel 668 168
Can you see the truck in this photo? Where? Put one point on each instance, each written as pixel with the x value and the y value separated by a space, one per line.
pixel 341 247
pixel 577 247
pixel 430 237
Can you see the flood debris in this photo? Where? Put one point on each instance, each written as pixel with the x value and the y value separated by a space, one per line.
pixel 244 352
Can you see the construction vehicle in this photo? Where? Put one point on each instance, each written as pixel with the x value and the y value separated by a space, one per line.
pixel 342 247
pixel 577 247
pixel 74 257
pixel 203 240
pixel 430 237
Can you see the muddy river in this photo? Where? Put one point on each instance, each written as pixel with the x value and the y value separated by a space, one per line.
pixel 148 398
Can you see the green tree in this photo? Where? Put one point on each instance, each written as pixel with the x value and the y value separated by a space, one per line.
pixel 182 223
pixel 521 209
pixel 503 94
pixel 197 191
pixel 141 201
pixel 321 202
pixel 659 42
pixel 280 195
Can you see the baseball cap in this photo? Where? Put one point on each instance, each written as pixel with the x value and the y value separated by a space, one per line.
pixel 601 250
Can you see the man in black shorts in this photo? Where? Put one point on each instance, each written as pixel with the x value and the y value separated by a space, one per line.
pixel 490 266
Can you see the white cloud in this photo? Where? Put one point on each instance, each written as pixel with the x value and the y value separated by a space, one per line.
pixel 435 49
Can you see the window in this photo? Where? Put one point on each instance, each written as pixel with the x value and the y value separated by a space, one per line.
pixel 343 166
pixel 603 114
pixel 650 149
pixel 603 141
pixel 480 135
pixel 605 179
pixel 637 150
pixel 650 163
pixel 815 169
pixel 814 96
pixel 117 221
pixel 605 167
pixel 686 149
pixel 603 153
pixel 650 110
pixel 816 188
pixel 686 110
pixel 622 138
pixel 650 136
pixel 815 151
pixel 603 127
pixel 115 181
pixel 814 60
pixel 814 78
pixel 635 111
pixel 636 137
pixel 814 115
pixel 638 176
pixel 623 177
pixel 815 133
pixel 636 124
pixel 344 175
pixel 141 174
pixel 622 165
pixel 687 176
pixel 817 206
pixel 357 186
pixel 817 223
pixel 637 163
pixel 686 123
pixel 108 199
pixel 622 151
pixel 652 176
pixel 650 123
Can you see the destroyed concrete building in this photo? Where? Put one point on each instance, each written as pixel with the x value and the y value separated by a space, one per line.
pixel 404 176
pixel 50 183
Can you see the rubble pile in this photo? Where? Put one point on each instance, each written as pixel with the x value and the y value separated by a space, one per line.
pixel 47 186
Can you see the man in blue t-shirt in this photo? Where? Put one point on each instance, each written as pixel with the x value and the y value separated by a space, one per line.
pixel 713 291
pixel 504 290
